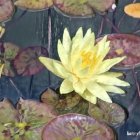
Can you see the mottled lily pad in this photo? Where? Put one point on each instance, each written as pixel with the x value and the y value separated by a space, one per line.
pixel 83 7
pixel 125 45
pixel 6 9
pixel 26 62
pixel 34 4
pixel 8 51
pixel 110 113
pixel 26 122
pixel 62 104
pixel 77 127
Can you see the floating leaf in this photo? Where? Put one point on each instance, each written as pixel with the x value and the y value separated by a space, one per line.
pixel 8 51
pixel 62 104
pixel 26 62
pixel 80 108
pixel 27 122
pixel 83 7
pixel 77 127
pixel 133 10
pixel 6 9
pixel 34 4
pixel 8 115
pixel 50 97
pixel 125 45
pixel 110 113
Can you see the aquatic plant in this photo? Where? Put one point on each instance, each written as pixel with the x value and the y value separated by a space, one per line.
pixel 83 67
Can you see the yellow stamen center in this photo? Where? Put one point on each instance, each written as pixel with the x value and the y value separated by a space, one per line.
pixel 88 59
pixel 21 125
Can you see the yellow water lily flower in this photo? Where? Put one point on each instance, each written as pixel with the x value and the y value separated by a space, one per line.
pixel 133 10
pixel 83 67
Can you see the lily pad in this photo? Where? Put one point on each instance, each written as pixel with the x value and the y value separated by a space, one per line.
pixel 6 9
pixel 133 10
pixel 110 113
pixel 125 45
pixel 26 62
pixel 34 4
pixel 25 122
pixel 77 127
pixel 8 51
pixel 83 7
pixel 62 104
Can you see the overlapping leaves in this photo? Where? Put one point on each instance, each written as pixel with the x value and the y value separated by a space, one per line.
pixel 34 4
pixel 26 122
pixel 62 104
pixel 83 7
pixel 8 51
pixel 23 62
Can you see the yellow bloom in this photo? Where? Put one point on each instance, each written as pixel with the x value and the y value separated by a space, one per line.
pixel 133 10
pixel 83 67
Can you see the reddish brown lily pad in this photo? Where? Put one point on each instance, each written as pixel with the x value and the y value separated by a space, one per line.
pixel 62 104
pixel 27 122
pixel 6 9
pixel 83 7
pixel 77 127
pixel 110 113
pixel 27 63
pixel 125 45
pixel 34 4
pixel 8 51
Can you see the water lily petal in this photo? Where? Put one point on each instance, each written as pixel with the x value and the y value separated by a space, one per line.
pixel 77 39
pixel 66 87
pixel 88 40
pixel 114 74
pixel 83 73
pixel 63 55
pixel 54 66
pixel 133 10
pixel 105 79
pixel 79 87
pixel 89 97
pixel 107 64
pixel 101 45
pixel 113 89
pixel 66 41
pixel 90 43
pixel 98 91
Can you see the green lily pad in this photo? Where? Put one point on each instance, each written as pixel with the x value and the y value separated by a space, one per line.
pixel 110 113
pixel 62 104
pixel 6 9
pixel 83 7
pixel 77 127
pixel 24 123
pixel 34 5
pixel 8 51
